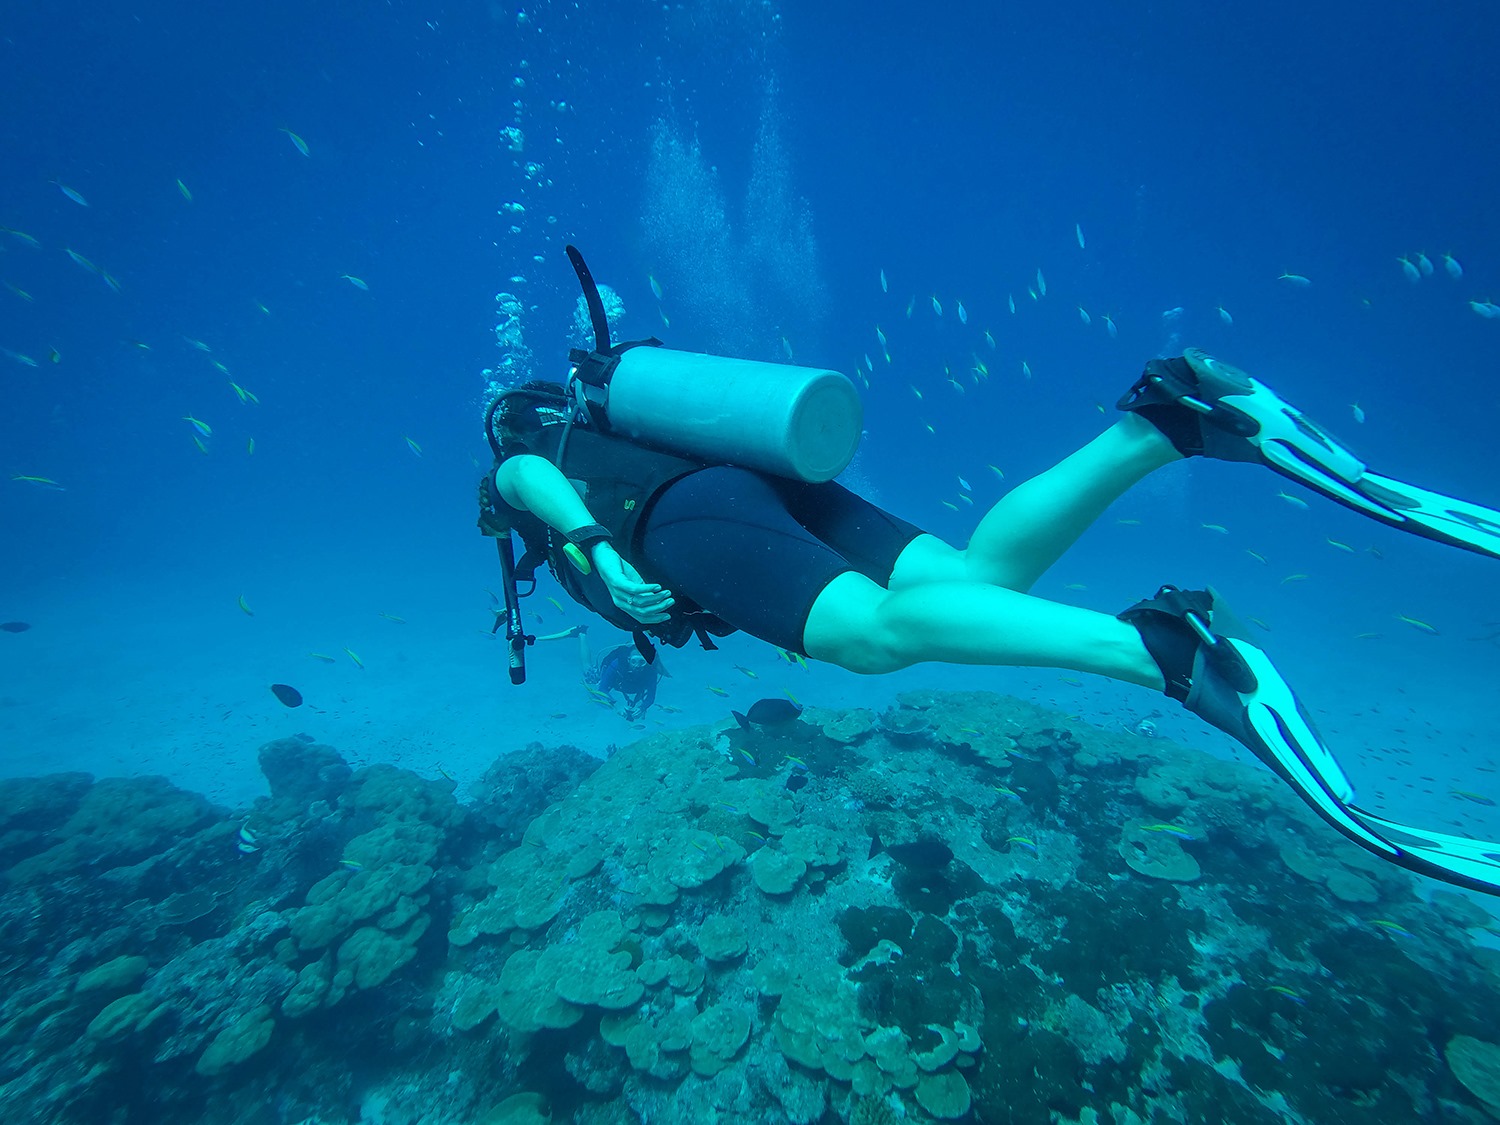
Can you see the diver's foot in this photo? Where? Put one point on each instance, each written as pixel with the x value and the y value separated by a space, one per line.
pixel 1208 408
pixel 1231 684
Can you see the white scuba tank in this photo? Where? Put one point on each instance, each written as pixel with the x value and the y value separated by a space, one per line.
pixel 798 422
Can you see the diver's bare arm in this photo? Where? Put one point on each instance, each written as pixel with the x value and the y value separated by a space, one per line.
pixel 536 485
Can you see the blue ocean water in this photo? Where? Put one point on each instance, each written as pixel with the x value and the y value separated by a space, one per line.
pixel 251 269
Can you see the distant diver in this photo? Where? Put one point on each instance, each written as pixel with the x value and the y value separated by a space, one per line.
pixel 681 495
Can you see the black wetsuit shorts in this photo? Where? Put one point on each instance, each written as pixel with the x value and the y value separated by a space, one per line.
pixel 756 550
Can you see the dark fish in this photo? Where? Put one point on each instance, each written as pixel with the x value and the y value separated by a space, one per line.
pixel 768 712
pixel 15 626
pixel 288 695
pixel 304 737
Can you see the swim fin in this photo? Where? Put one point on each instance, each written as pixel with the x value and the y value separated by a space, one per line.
pixel 1208 408
pixel 1232 684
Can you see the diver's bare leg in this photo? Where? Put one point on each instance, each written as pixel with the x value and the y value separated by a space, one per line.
pixel 857 625
pixel 1031 526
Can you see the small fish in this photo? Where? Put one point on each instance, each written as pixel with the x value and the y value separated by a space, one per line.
pixel 14 626
pixel 749 757
pixel 1295 279
pixel 1341 545
pixel 250 446
pixel 198 441
pixel 202 427
pixel 1041 283
pixel 21 293
pixel 1026 369
pixel 747 671
pixel 963 313
pixel 664 319
pixel 1170 830
pixel 1010 299
pixel 796 763
pixel 1109 326
pixel 1078 234
pixel 22 236
pixel 726 807
pixel 1072 681
pixel 199 344
pixel 358 663
pixel 1391 927
pixel 414 447
pixel 80 260
pixel 965 485
pixel 1477 798
pixel 23 360
pixel 910 305
pixel 1410 270
pixel 869 364
pixel 915 391
pixel 786 347
pixel 357 282
pixel 1030 845
pixel 54 356
pixel 1128 523
pixel 1219 527
pixel 1225 317
pixel 243 395
pixel 1367 636
pixel 994 469
pixel 324 657
pixel 392 617
pixel 937 306
pixel 297 142
pixel 245 608
pixel 1486 309
pixel 949 504
pixel 1294 501
pixel 879 335
pixel 797 703
pixel 1416 624
pixel 1075 586
pixel 352 865
pixel 1259 624
pixel 1257 556
pixel 1290 993
pixel 1424 264
pixel 884 285
pixel 1173 314
pixel 287 695
pixel 655 286
pixel 183 188
pixel 40 482
pixel 716 690
pixel 1294 578
pixel 262 308
pixel 247 836
pixel 76 197
pixel 757 835
pixel 1004 792
pixel 1359 412
pixel 1084 316
pixel 1450 263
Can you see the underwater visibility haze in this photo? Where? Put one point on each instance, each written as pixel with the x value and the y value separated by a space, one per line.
pixel 282 842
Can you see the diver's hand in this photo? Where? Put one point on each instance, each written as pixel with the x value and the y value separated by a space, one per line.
pixel 647 602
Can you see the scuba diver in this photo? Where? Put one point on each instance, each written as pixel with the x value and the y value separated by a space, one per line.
pixel 685 496
pixel 621 669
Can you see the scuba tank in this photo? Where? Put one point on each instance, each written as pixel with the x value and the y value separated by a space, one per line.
pixel 797 422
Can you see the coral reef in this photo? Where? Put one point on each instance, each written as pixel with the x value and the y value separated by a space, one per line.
pixel 969 909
